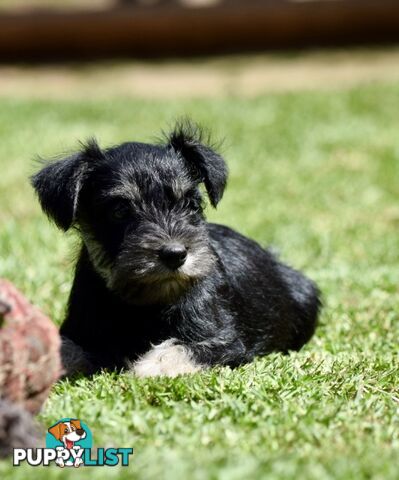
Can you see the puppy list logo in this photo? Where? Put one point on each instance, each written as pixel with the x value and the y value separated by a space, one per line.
pixel 69 444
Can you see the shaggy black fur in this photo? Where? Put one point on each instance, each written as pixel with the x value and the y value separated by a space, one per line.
pixel 151 268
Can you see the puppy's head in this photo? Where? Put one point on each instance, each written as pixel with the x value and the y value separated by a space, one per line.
pixel 139 210
pixel 71 430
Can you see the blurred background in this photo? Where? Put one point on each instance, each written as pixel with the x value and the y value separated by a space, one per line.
pixel 161 48
pixel 185 48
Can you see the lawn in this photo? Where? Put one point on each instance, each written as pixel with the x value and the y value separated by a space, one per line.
pixel 315 175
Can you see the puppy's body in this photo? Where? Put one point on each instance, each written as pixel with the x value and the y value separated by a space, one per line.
pixel 161 289
pixel 251 305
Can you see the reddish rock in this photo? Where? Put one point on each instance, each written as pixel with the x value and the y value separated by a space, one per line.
pixel 29 350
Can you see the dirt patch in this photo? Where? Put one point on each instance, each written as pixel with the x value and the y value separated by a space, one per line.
pixel 236 75
pixel 24 5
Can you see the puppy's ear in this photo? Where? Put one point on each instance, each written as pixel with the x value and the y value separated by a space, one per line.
pixel 76 423
pixel 55 430
pixel 58 184
pixel 204 162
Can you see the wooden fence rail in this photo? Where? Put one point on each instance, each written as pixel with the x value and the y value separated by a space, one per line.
pixel 171 30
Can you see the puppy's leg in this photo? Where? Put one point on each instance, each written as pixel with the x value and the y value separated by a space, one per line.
pixel 74 359
pixel 169 358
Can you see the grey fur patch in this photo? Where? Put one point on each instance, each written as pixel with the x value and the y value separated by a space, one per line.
pixel 140 276
pixel 181 185
pixel 98 256
pixel 128 190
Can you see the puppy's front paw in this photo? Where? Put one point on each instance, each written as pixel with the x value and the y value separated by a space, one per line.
pixel 169 359
pixel 78 462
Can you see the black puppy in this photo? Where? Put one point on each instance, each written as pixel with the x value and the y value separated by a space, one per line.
pixel 157 288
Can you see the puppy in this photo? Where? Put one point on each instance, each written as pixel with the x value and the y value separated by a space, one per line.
pixel 157 289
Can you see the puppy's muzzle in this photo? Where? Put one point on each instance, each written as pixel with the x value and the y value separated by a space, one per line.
pixel 173 255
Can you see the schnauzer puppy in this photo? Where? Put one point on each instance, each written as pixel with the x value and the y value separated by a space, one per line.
pixel 157 289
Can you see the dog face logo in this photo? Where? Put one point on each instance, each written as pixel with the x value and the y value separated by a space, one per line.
pixel 68 432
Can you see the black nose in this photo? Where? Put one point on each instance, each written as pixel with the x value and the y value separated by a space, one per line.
pixel 80 431
pixel 173 255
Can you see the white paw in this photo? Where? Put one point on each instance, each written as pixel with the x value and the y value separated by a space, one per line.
pixel 168 359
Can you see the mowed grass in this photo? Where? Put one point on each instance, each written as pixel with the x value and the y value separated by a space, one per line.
pixel 315 175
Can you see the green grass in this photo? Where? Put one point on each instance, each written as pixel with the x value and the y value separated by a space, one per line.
pixel 314 174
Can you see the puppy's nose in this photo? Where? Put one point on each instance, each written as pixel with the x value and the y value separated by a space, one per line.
pixel 173 255
pixel 80 431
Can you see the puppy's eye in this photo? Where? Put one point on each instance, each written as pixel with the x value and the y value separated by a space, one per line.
pixel 120 211
pixel 66 430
